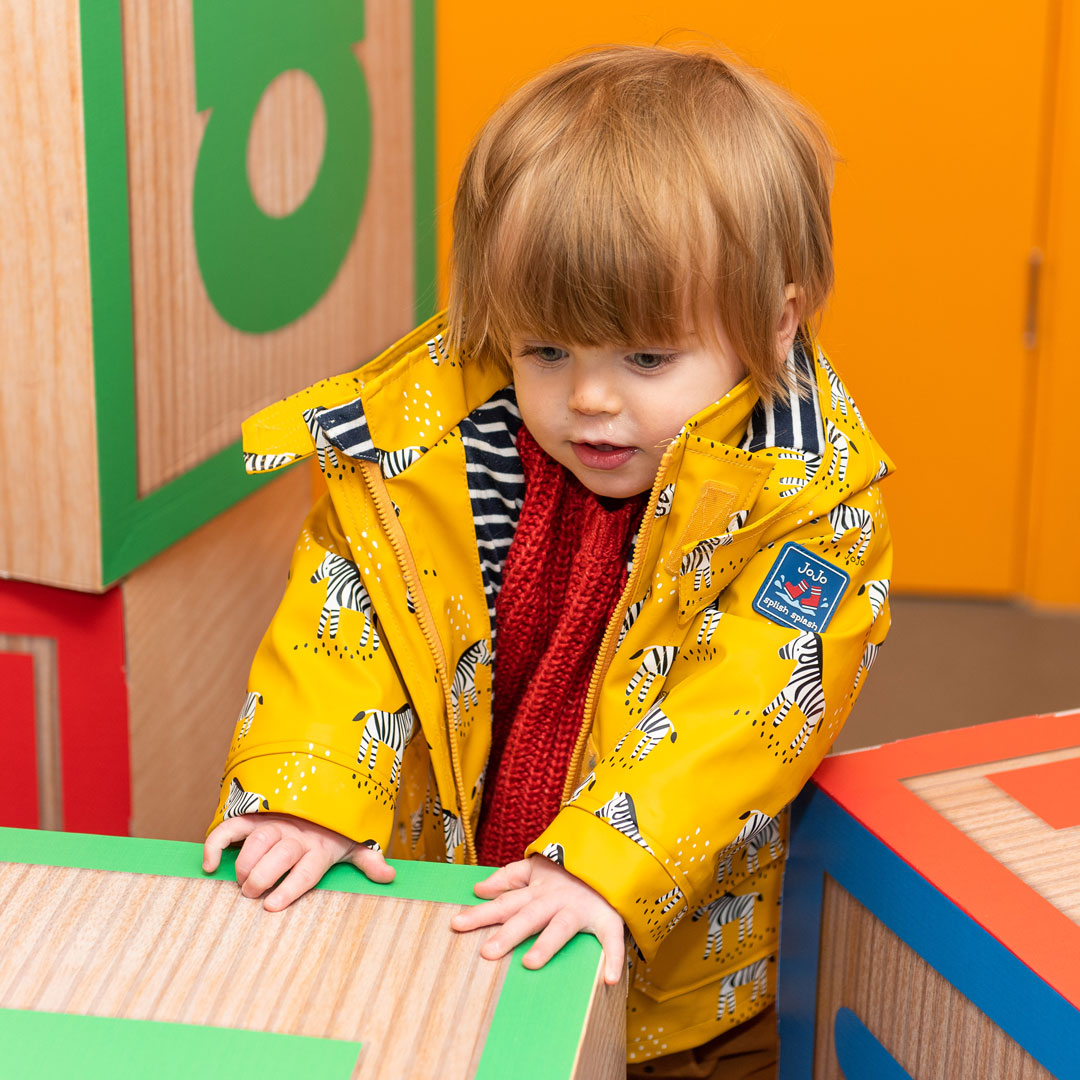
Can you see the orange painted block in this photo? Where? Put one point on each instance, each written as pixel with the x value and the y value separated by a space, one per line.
pixel 1051 790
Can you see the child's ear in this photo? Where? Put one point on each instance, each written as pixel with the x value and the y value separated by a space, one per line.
pixel 789 320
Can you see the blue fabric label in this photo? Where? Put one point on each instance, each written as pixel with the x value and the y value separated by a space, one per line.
pixel 801 590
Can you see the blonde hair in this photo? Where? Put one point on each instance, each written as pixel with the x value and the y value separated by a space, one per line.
pixel 630 191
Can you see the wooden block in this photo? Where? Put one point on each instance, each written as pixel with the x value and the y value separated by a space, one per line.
pixel 931 917
pixel 207 207
pixel 110 927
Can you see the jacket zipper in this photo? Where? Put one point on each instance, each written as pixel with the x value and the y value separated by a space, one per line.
pixel 392 529
pixel 603 658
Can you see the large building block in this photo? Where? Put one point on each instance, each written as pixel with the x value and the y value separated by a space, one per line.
pixel 931 908
pixel 207 204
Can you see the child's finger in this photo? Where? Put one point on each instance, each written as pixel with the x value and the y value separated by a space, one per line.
pixel 305 875
pixel 281 858
pixel 611 933
pixel 563 926
pixel 530 920
pixel 495 911
pixel 372 864
pixel 228 832
pixel 259 841
pixel 514 875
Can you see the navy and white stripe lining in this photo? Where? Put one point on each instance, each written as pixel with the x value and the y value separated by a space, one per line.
pixel 790 421
pixel 346 427
pixel 496 485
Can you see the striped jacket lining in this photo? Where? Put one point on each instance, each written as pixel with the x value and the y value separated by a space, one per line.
pixel 791 422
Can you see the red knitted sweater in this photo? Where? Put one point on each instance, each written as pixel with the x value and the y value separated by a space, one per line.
pixel 563 576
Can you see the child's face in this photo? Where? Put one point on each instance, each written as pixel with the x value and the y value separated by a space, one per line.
pixel 607 412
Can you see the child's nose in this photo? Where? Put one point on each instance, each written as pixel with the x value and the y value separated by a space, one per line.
pixel 593 395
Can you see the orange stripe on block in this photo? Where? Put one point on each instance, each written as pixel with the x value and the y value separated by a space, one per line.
pixel 1049 790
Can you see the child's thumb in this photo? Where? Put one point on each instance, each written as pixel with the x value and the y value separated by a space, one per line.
pixel 370 861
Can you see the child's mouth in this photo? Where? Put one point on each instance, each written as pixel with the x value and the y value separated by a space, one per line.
pixel 602 455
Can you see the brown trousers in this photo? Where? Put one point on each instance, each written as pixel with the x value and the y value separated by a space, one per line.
pixel 746 1052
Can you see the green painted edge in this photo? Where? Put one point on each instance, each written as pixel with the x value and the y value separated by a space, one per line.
pixel 43 1044
pixel 133 529
pixel 425 273
pixel 552 1002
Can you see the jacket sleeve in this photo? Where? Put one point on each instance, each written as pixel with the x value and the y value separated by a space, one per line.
pixel 326 718
pixel 749 708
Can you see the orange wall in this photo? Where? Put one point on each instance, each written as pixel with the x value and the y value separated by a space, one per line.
pixel 937 111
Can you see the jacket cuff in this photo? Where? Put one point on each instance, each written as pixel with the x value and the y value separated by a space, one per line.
pixel 635 883
pixel 306 782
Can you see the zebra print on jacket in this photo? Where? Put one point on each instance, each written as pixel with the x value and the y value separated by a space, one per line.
pixel 394 462
pixel 755 975
pixel 257 463
pixel 392 729
pixel 619 812
pixel 247 713
pixel 804 687
pixel 585 785
pixel 437 350
pixel 324 449
pixel 663 501
pixel 239 801
pixel 767 835
pixel 838 460
pixel 555 853
pixel 868 657
pixel 839 397
pixel 754 823
pixel 464 684
pixel 344 589
pixel 877 592
pixel 844 518
pixel 710 620
pixel 727 908
pixel 632 612
pixel 656 661
pixel 651 730
pixel 453 830
pixel 795 484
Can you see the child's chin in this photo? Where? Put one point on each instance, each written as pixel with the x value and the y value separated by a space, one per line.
pixel 611 485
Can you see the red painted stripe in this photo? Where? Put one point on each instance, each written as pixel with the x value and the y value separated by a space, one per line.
pixel 94 752
pixel 19 806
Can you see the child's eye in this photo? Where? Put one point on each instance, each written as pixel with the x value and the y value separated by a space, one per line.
pixel 650 361
pixel 548 354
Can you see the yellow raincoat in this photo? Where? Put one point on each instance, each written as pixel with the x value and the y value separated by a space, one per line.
pixel 755 605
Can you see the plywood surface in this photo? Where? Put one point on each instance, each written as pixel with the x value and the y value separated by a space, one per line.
pixel 1045 858
pixel 193 618
pixel 384 971
pixel 48 457
pixel 929 1027
pixel 197 377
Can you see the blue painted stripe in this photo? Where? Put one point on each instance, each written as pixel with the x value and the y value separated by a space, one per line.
pixel 826 840
pixel 860 1055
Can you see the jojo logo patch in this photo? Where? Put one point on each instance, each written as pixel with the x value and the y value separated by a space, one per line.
pixel 801 590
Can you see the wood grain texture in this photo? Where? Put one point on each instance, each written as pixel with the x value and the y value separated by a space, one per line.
pixel 1045 858
pixel 48 457
pixel 46 723
pixel 196 376
pixel 928 1026
pixel 387 972
pixel 193 619
pixel 601 1053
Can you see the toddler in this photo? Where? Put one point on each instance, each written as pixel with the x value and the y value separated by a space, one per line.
pixel 601 564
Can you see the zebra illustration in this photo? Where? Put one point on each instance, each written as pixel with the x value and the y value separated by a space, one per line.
pixel 392 729
pixel 844 518
pixel 657 660
pixel 877 592
pixel 868 657
pixel 464 684
pixel 619 812
pixel 651 729
pixel 727 908
pixel 838 460
pixel 248 712
pixel 240 801
pixel 478 787
pixel 663 501
pixel 453 833
pixel 767 836
pixel 632 612
pixel 711 617
pixel 555 853
pixel 754 975
pixel 585 785
pixel 256 463
pixel 755 823
pixel 795 484
pixel 882 472
pixel 670 899
pixel 416 825
pixel 344 589
pixel 839 397
pixel 804 687
pixel 410 604
pixel 437 350
pixel 324 448
pixel 699 558
pixel 392 462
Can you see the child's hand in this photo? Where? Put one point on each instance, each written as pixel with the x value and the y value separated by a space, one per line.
pixel 536 895
pixel 279 844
